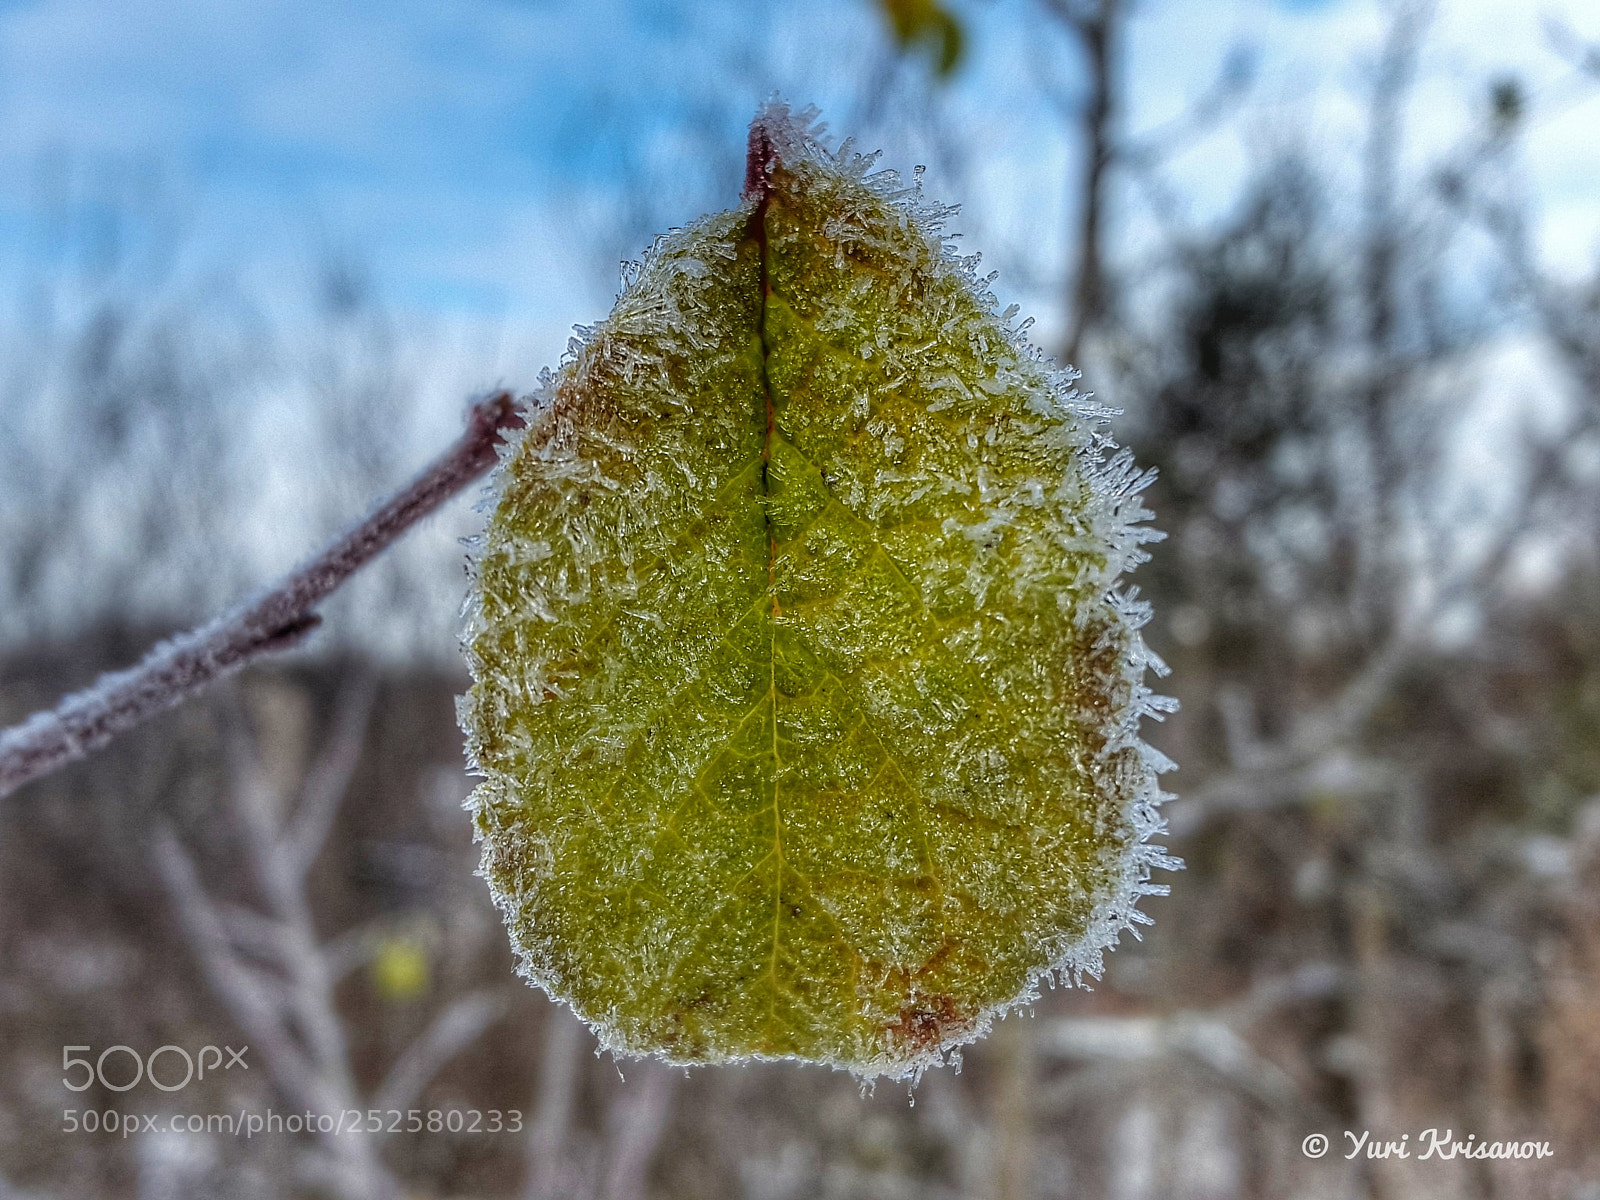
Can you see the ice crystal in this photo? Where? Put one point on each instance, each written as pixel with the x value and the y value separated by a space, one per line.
pixel 805 697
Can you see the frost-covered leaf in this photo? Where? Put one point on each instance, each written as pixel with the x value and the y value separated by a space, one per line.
pixel 805 699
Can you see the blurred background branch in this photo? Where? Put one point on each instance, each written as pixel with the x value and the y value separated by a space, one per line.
pixel 1355 323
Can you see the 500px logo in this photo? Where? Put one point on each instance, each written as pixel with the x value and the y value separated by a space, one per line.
pixel 125 1059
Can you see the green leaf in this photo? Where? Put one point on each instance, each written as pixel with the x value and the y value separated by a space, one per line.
pixel 805 700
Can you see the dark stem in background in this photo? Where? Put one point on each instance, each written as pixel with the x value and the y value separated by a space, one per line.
pixel 277 620
pixel 1097 27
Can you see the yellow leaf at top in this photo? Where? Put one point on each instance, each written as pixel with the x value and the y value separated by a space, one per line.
pixel 805 699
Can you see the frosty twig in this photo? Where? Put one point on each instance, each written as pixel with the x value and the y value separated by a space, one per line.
pixel 278 619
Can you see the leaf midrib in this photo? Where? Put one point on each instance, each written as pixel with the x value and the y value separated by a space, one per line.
pixel 758 225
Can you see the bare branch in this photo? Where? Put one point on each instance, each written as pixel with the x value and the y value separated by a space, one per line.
pixel 558 1091
pixel 9 1191
pixel 277 620
pixel 1075 14
pixel 354 948
pixel 310 992
pixel 292 1017
pixel 329 777
pixel 1254 789
pixel 1013 1122
pixel 1200 1037
pixel 1572 46
pixel 1552 303
pixel 1264 775
pixel 230 978
pixel 1396 73
pixel 1098 30
pixel 1214 105
pixel 642 1120
pixel 1313 737
pixel 452 1031
pixel 250 931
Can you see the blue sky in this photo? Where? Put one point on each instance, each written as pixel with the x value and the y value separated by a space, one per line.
pixel 485 165
pixel 473 156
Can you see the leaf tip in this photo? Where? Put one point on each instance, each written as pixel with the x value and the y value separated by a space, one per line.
pixel 761 157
